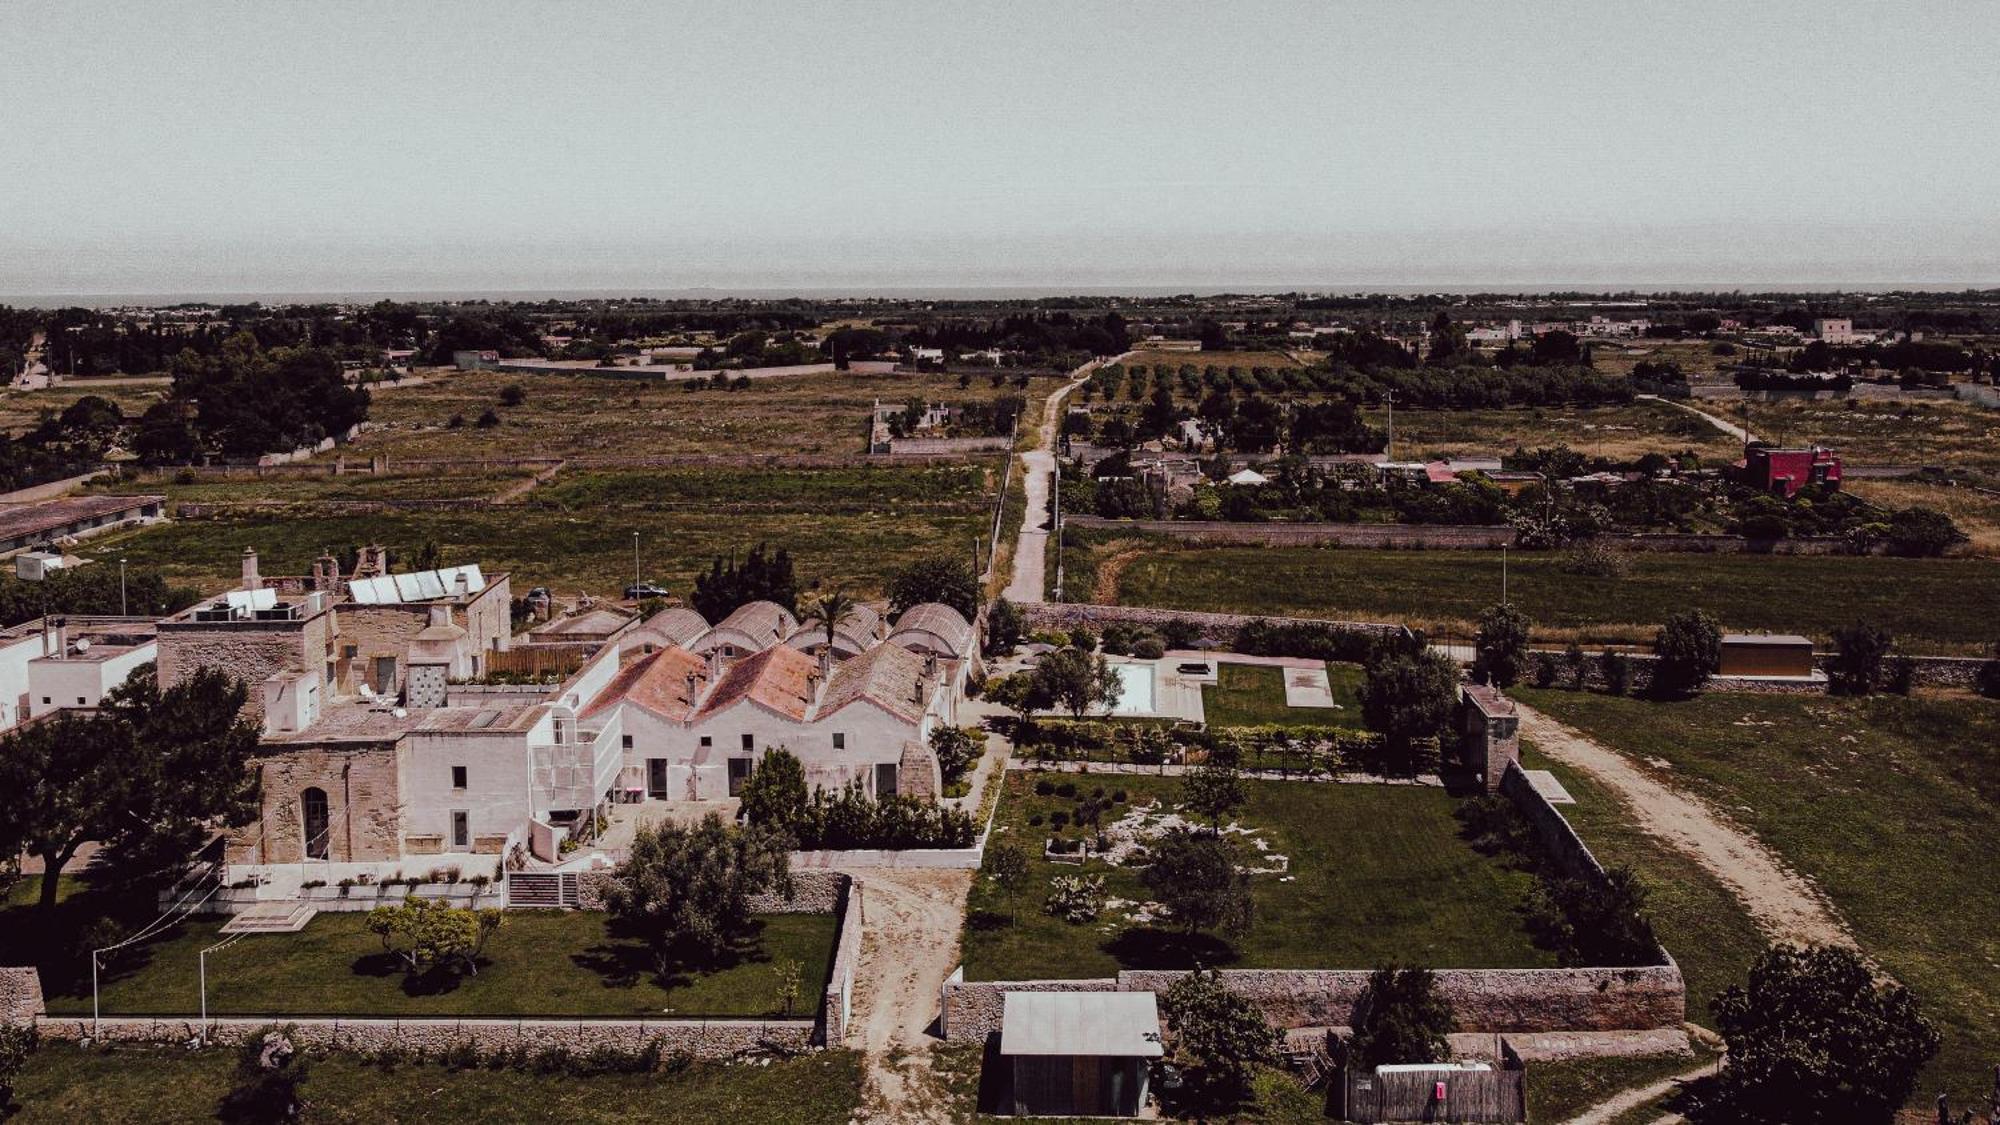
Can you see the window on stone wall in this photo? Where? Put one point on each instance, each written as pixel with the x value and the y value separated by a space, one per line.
pixel 458 777
pixel 840 742
pixel 749 742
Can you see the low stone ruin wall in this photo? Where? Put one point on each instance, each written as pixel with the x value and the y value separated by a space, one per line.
pixel 20 994
pixel 708 1040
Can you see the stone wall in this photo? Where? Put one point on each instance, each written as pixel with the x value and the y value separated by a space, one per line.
pixel 1218 630
pixel 813 892
pixel 709 1040
pixel 363 798
pixel 20 993
pixel 837 1005
pixel 249 650
pixel 1378 535
pixel 1484 1000
pixel 1559 840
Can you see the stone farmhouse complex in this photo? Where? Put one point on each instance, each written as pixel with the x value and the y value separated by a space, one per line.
pixel 385 741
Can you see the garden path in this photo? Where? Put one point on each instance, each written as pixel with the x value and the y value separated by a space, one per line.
pixel 1784 905
pixel 909 945
pixel 1030 571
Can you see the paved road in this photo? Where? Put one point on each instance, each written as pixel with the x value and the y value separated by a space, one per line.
pixel 1039 466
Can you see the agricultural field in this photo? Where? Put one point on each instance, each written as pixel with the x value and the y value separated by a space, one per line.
pixel 1617 433
pixel 23 410
pixel 587 549
pixel 1174 361
pixel 1355 852
pixel 1952 435
pixel 597 416
pixel 1887 805
pixel 1932 605
pixel 134 1084
pixel 1695 358
pixel 303 488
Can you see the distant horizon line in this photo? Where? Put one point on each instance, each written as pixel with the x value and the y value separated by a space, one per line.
pixel 165 297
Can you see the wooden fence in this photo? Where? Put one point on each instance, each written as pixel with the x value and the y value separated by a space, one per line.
pixel 1469 1096
pixel 536 660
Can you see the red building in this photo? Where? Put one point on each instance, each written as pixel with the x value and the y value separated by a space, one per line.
pixel 1785 471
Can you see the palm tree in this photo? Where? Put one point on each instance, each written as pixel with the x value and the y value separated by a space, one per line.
pixel 828 610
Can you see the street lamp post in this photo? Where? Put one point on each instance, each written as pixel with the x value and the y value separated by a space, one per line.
pixel 635 565
pixel 122 609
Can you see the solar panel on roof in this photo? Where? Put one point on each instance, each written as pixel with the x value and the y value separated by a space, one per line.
pixel 263 599
pixel 429 585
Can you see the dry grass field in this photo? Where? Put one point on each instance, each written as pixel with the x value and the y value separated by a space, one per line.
pixel 596 416
pixel 1621 433
pixel 22 410
pixel 1950 434
pixel 1173 361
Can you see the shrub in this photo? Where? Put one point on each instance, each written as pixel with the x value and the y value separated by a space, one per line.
pixel 1180 634
pixel 1149 648
pixel 1859 650
pixel 512 394
pixel 1059 819
pixel 1987 679
pixel 1593 558
pixel 1066 789
pixel 487 419
pixel 1922 533
pixel 1616 668
pixel 1219 1036
pixel 1400 1018
pixel 1314 640
pixel 1501 646
pixel 17 1042
pixel 1577 664
pixel 1035 820
pixel 1118 796
pixel 1044 787
pixel 1545 670
pixel 1594 922
pixel 1076 899
pixel 1689 647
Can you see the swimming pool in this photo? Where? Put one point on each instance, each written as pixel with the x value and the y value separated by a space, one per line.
pixel 1137 698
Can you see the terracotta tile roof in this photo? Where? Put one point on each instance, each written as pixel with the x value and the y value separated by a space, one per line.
pixel 657 682
pixel 779 678
pixel 939 620
pixel 887 675
pixel 859 627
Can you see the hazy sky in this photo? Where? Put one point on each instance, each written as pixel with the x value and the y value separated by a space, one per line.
pixel 154 147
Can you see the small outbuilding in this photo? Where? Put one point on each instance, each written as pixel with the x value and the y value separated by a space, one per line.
pixel 1080 1054
pixel 1781 655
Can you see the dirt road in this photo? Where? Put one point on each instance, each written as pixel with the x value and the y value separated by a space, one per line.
pixel 1783 905
pixel 909 944
pixel 1720 423
pixel 1029 579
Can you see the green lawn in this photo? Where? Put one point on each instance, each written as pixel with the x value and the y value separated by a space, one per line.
pixel 1380 875
pixel 138 1085
pixel 1944 604
pixel 1558 1091
pixel 541 963
pixel 569 549
pixel 1891 806
pixel 1248 695
pixel 1703 927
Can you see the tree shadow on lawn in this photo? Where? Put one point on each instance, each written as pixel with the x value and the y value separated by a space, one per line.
pixel 434 981
pixel 1149 947
pixel 59 941
pixel 624 963
pixel 987 921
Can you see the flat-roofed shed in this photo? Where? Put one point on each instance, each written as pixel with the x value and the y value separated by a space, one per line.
pixel 1080 1053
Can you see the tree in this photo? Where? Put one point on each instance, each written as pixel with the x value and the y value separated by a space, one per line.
pixel 1502 645
pixel 1195 877
pixel 17 1042
pixel 1408 696
pixel 1922 533
pixel 775 794
pixel 1004 627
pixel 1023 693
pixel 1076 681
pixel 1815 1039
pixel 1689 650
pixel 269 1072
pixel 687 888
pixel 148 776
pixel 1400 1018
pixel 1214 789
pixel 512 394
pixel 762 577
pixel 1616 669
pixel 1007 866
pixel 1595 921
pixel 956 749
pixel 940 578
pixel 827 611
pixel 1220 1037
pixel 425 934
pixel 1859 650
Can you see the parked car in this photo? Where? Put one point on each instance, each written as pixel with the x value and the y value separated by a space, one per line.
pixel 645 590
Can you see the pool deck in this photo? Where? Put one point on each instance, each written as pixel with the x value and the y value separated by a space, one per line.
pixel 1174 696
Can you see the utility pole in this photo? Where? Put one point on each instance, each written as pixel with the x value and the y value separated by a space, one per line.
pixel 635 566
pixel 122 611
pixel 1503 574
pixel 1055 523
pixel 1391 398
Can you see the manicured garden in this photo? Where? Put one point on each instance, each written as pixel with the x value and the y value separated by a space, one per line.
pixel 1374 874
pixel 1889 805
pixel 1930 604
pixel 142 1085
pixel 1248 695
pixel 539 963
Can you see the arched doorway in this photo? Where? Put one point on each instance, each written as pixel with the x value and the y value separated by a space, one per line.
pixel 312 810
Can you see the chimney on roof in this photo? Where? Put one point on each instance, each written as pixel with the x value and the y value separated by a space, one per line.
pixel 326 573
pixel 715 663
pixel 440 614
pixel 251 581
